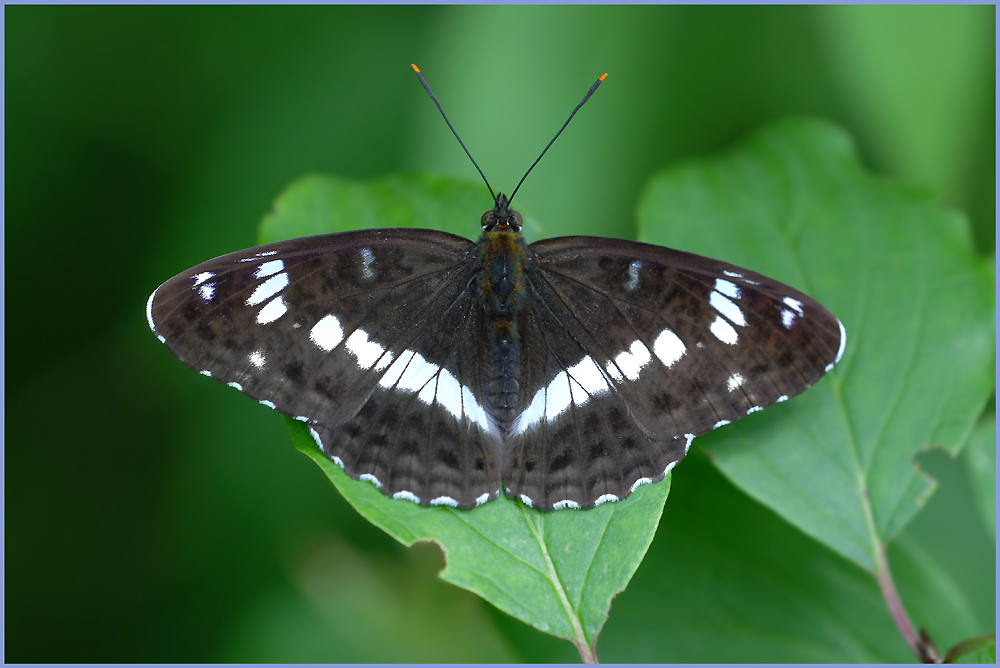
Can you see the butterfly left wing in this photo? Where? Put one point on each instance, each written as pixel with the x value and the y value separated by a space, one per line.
pixel 654 346
pixel 357 334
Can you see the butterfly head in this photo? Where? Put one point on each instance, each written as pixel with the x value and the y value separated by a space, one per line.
pixel 501 217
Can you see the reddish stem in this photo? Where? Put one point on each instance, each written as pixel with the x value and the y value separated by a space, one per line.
pixel 921 645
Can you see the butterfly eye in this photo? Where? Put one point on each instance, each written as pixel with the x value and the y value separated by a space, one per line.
pixel 487 220
pixel 515 221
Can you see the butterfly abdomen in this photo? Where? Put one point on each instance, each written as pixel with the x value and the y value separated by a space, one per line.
pixel 500 280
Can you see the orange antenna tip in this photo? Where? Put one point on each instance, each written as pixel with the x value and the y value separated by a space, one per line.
pixel 601 79
pixel 417 69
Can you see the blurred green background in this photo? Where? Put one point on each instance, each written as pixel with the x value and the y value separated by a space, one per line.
pixel 153 515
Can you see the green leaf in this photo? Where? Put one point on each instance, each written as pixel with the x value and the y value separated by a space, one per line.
pixel 728 581
pixel 793 202
pixel 321 204
pixel 987 654
pixel 557 571
pixel 981 462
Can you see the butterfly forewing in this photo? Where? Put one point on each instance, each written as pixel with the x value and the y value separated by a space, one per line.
pixel 704 341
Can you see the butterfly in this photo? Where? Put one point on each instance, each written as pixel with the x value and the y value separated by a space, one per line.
pixel 567 372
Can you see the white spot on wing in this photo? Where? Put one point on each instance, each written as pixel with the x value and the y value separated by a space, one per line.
pixel 414 376
pixel 396 369
pixel 633 275
pixel 526 500
pixel 727 288
pixel 265 402
pixel 473 410
pixel 370 478
pixel 301 418
pixel 206 372
pixel 257 359
pixel 782 398
pixel 669 467
pixel 724 331
pixel 409 496
pixel 367 258
pixel 202 277
pixel 319 442
pixel 687 445
pixel 589 376
pixel 726 307
pixel 843 341
pixel 794 303
pixel 269 268
pixel 640 481
pixel 207 291
pixel 631 361
pixel 604 498
pixel 236 386
pixel 449 394
pixel 787 318
pixel 734 381
pixel 162 340
pixel 268 289
pixel 367 352
pixel 447 501
pixel 734 274
pixel 428 392
pixel 149 312
pixel 720 423
pixel 273 310
pixel 754 409
pixel 668 347
pixel 532 415
pixel 557 396
pixel 327 333
pixel 565 503
pixel 482 498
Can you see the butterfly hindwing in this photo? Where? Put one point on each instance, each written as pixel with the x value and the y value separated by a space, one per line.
pixel 577 443
pixel 423 434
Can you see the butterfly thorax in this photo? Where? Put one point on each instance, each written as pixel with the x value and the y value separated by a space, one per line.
pixel 500 285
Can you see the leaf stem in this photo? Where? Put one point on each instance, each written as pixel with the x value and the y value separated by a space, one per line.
pixel 970 645
pixel 921 645
pixel 578 639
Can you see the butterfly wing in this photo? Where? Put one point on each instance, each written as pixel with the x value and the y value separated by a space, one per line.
pixel 646 347
pixel 363 335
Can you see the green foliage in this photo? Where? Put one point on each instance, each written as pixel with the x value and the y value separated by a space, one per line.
pixel 917 305
pixel 981 463
pixel 987 654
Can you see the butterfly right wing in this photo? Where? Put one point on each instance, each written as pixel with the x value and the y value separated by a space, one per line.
pixel 358 334
pixel 635 350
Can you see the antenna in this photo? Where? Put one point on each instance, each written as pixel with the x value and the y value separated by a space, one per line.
pixel 582 102
pixel 445 116
pixel 431 93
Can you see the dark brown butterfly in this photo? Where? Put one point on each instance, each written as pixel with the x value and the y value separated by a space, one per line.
pixel 570 370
